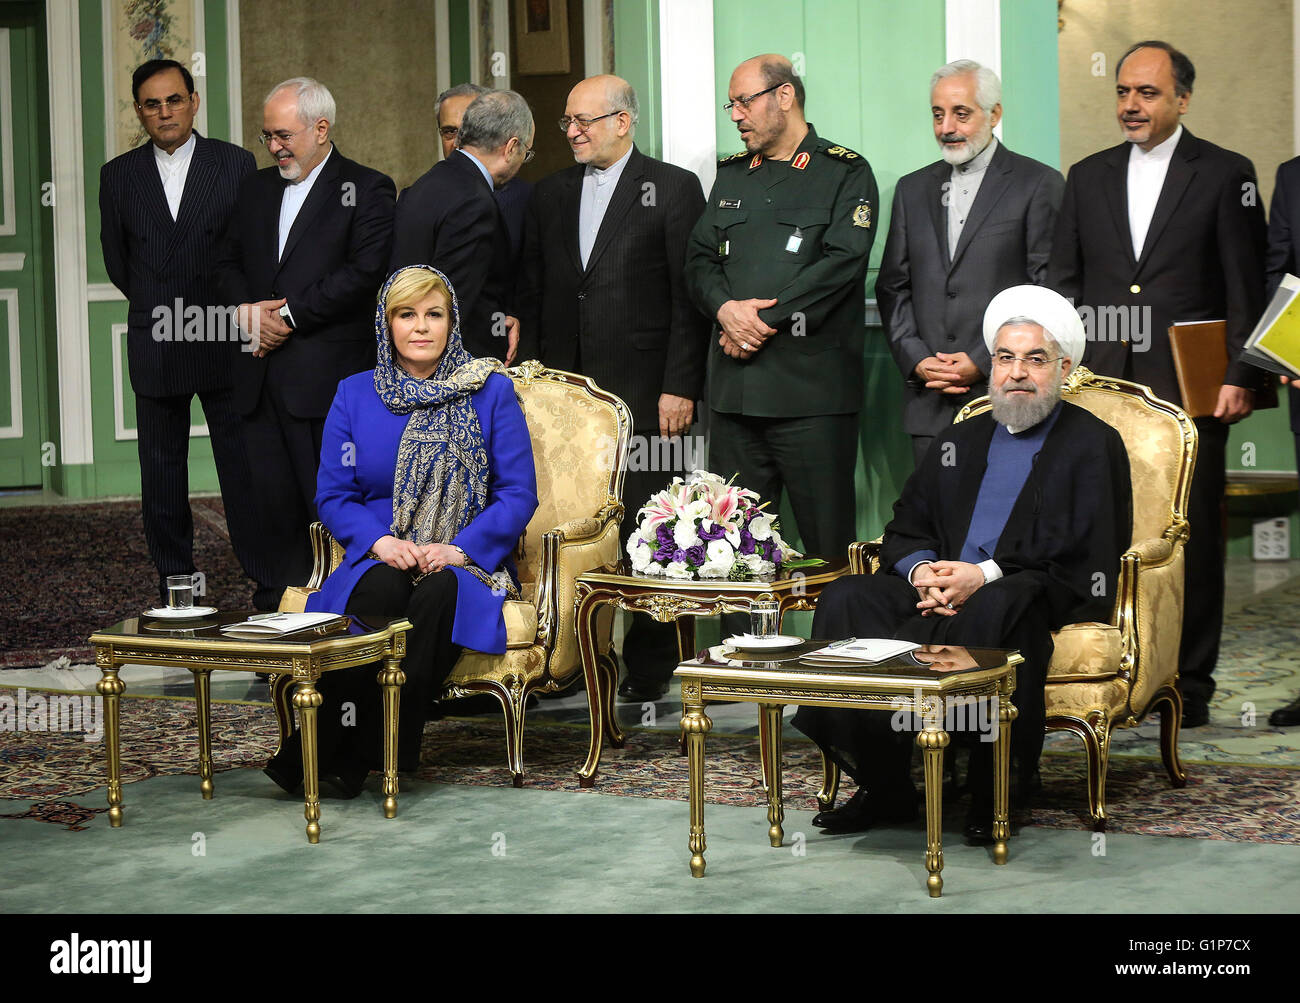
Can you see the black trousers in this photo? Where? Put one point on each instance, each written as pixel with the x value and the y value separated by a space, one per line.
pixel 1203 568
pixel 875 747
pixel 163 441
pixel 350 719
pixel 283 453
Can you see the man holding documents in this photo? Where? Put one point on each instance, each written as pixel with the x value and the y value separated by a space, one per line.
pixel 1012 526
pixel 1284 257
pixel 1161 229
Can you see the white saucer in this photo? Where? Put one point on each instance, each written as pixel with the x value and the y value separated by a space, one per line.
pixel 748 642
pixel 167 613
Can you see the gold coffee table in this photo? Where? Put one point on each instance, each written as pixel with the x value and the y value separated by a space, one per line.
pixel 675 601
pixel 955 677
pixel 201 647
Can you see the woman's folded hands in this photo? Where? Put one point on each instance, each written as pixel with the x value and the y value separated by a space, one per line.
pixel 405 555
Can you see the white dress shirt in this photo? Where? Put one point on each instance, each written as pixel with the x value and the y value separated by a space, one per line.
pixel 295 194
pixel 597 188
pixel 173 169
pixel 1146 177
pixel 963 187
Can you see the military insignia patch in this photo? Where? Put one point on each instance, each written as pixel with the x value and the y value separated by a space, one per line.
pixel 862 216
pixel 733 158
pixel 758 159
pixel 842 153
pixel 801 161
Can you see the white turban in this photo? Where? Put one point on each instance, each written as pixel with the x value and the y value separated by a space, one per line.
pixel 1049 310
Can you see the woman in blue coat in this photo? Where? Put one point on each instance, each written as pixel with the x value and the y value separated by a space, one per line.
pixel 426 479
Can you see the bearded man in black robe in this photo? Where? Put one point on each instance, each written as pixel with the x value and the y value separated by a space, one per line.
pixel 1011 527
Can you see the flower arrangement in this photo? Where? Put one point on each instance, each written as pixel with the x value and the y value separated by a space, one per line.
pixel 705 527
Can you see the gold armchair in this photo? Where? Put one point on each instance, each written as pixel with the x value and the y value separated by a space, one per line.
pixel 1105 676
pixel 580 439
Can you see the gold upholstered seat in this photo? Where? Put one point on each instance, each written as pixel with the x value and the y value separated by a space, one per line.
pixel 580 439
pixel 1105 676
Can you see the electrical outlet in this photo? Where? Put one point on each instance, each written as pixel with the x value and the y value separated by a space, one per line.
pixel 1272 540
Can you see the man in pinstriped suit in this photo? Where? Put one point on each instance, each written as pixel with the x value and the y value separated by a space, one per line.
pixel 163 206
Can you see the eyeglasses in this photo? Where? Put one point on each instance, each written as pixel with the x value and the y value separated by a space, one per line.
pixel 745 102
pixel 528 154
pixel 153 106
pixel 449 131
pixel 1035 363
pixel 280 137
pixel 581 121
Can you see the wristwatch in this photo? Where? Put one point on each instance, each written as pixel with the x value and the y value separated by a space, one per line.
pixel 286 316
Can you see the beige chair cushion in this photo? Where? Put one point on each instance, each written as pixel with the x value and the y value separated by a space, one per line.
pixel 1085 651
pixel 521 624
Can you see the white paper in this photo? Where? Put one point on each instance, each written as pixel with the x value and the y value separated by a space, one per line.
pixel 864 649
pixel 281 623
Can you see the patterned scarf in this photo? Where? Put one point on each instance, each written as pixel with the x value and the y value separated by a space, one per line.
pixel 441 478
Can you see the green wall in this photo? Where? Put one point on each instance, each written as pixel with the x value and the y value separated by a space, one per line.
pixel 636 60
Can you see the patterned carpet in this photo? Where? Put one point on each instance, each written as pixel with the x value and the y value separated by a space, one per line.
pixel 62 775
pixel 53 560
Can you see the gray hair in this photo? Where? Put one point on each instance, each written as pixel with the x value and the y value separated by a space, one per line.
pixel 988 88
pixel 624 99
pixel 459 91
pixel 314 99
pixel 493 119
pixel 1049 339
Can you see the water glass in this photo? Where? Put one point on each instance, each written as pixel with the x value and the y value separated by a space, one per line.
pixel 764 616
pixel 180 591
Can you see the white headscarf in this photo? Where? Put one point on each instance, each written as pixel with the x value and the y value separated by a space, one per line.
pixel 1050 310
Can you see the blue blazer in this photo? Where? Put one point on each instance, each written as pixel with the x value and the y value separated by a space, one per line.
pixel 354 496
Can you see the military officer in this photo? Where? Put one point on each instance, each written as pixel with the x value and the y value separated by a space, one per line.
pixel 779 261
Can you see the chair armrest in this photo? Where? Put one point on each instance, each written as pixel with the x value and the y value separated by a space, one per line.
pixel 568 550
pixel 326 554
pixel 1150 552
pixel 1148 613
pixel 864 556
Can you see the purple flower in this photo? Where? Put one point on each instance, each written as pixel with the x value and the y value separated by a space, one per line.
pixel 679 555
pixel 664 535
pixel 716 533
pixel 695 555
pixel 665 553
pixel 746 542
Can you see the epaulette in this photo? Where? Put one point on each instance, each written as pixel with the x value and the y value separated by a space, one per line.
pixel 841 153
pixel 734 157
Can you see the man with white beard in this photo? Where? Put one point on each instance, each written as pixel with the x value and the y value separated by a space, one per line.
pixel 973 223
pixel 1011 527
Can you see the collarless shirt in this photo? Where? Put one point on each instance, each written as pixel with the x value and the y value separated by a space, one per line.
pixel 291 202
pixel 173 169
pixel 1146 178
pixel 487 175
pixel 597 188
pixel 963 187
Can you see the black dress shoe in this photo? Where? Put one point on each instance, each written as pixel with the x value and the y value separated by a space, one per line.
pixel 285 767
pixel 1286 717
pixel 641 690
pixel 979 829
pixel 1196 711
pixel 861 813
pixel 347 782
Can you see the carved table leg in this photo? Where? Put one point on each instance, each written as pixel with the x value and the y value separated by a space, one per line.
pixel 592 673
pixel 1001 771
pixel 391 678
pixel 830 784
pixel 110 687
pixel 306 699
pixel 771 725
pixel 933 741
pixel 696 724
pixel 685 652
pixel 203 702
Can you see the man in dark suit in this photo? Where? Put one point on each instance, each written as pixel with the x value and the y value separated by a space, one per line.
pixel 450 219
pixel 964 228
pixel 304 256
pixel 1166 227
pixel 162 207
pixel 1283 257
pixel 513 196
pixel 605 295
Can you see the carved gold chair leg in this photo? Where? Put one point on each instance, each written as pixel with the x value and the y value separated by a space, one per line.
pixel 830 784
pixel 1170 702
pixel 1096 744
pixel 512 706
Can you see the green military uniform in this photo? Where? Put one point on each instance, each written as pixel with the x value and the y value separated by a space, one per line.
pixel 800 232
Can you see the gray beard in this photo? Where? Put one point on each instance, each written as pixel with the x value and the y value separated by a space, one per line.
pixel 1022 414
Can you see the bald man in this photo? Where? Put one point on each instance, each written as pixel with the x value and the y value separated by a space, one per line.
pixel 604 295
